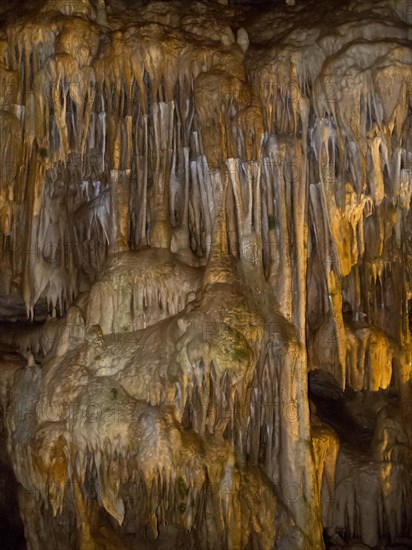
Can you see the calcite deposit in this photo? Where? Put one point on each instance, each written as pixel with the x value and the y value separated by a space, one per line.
pixel 205 274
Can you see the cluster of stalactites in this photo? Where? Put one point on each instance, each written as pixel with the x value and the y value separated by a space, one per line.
pixel 131 136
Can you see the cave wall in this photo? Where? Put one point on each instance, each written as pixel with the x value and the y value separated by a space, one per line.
pixel 200 204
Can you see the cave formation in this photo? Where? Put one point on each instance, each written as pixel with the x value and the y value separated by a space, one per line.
pixel 205 275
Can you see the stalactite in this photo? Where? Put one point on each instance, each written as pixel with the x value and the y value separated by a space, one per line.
pixel 200 205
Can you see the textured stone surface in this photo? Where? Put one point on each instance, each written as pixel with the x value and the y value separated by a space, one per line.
pixel 201 204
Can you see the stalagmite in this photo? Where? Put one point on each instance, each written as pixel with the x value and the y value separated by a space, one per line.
pixel 205 274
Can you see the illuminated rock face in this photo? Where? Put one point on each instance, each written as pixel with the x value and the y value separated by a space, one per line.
pixel 212 203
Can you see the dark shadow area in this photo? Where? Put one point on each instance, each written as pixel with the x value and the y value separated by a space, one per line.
pixel 351 414
pixel 11 525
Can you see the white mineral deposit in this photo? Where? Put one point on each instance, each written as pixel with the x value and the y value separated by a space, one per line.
pixel 205 275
